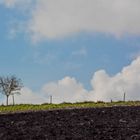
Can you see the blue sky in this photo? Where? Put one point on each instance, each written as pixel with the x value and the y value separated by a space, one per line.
pixel 41 56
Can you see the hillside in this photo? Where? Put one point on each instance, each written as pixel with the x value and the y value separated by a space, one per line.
pixel 106 123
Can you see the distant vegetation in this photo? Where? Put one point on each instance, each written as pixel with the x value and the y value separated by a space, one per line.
pixel 30 107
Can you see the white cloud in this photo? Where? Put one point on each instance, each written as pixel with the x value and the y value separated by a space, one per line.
pixel 27 96
pixel 104 88
pixel 53 19
pixel 65 90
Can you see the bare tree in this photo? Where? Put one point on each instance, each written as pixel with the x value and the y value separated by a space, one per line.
pixel 10 85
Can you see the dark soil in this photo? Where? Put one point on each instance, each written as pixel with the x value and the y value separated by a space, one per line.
pixel 111 123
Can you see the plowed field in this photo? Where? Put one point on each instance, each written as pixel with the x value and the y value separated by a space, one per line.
pixel 108 123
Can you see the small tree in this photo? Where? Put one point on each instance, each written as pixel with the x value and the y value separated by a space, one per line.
pixel 10 85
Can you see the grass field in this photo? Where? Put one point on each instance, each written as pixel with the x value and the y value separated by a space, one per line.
pixel 31 107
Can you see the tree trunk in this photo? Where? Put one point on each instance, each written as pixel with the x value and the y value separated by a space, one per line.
pixel 7 100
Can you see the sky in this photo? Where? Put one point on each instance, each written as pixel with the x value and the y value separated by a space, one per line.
pixel 83 50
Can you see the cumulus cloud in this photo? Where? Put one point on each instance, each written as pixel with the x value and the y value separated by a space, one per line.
pixel 104 88
pixel 66 90
pixel 53 19
pixel 27 96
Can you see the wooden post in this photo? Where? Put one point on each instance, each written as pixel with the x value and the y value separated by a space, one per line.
pixel 13 100
pixel 7 97
pixel 124 97
pixel 51 99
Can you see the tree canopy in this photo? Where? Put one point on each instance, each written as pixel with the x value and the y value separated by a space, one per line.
pixel 10 85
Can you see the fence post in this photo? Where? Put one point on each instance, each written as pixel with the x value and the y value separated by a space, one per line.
pixel 124 97
pixel 50 99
